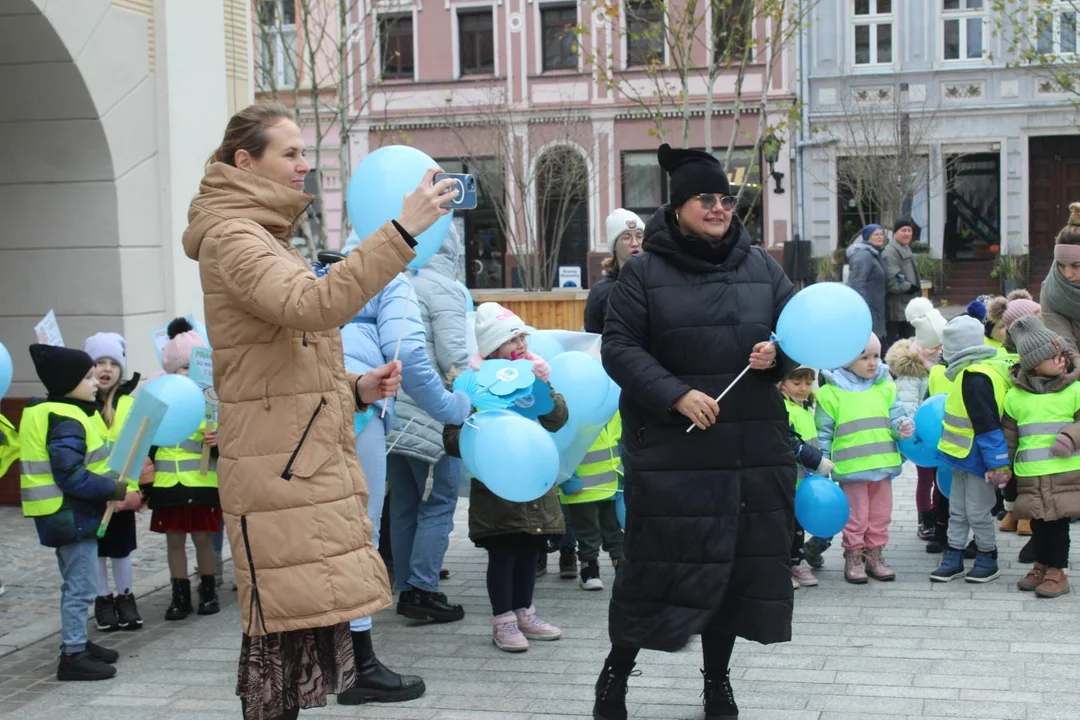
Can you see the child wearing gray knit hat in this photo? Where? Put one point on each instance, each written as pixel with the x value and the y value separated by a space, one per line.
pixel 1042 434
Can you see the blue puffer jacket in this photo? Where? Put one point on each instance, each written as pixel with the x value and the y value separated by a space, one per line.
pixel 85 493
pixel 369 342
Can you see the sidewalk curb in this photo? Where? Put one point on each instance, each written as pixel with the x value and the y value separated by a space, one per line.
pixel 36 632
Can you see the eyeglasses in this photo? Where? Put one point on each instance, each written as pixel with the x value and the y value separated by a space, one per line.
pixel 709 200
pixel 633 238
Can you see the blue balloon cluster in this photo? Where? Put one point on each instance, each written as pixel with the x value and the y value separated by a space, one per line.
pixel 826 325
pixel 513 456
pixel 821 506
pixel 921 447
pixel 377 191
pixel 186 408
pixel 501 384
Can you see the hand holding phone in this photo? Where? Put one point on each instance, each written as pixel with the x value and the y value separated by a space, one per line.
pixel 465 184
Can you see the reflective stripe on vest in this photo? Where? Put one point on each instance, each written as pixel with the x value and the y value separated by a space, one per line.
pixel 182 464
pixel 39 492
pixel 1039 419
pixel 862 435
pixel 958 434
pixel 601 467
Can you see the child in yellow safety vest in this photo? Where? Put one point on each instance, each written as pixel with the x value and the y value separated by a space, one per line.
pixel 858 419
pixel 591 504
pixel 1042 429
pixel 115 610
pixel 184 495
pixel 973 446
pixel 65 484
pixel 797 389
pixel 9 453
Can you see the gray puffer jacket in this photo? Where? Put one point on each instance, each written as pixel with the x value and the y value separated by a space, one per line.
pixel 442 310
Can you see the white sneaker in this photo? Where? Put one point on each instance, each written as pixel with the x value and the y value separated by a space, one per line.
pixel 593 583
pixel 795 584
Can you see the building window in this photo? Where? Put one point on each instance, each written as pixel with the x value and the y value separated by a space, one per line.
pixel 733 22
pixel 1056 29
pixel 558 25
pixel 396 39
pixel 277 44
pixel 476 42
pixel 962 29
pixel 873 31
pixel 644 32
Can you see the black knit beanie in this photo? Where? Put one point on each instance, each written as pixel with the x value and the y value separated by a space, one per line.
pixel 692 172
pixel 61 369
pixel 905 222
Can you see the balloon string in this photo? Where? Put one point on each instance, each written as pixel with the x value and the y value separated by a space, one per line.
pixel 401 334
pixel 401 435
pixel 718 398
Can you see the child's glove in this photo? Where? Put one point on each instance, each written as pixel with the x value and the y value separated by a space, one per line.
pixel 999 477
pixel 906 429
pixel 1063 446
pixel 826 467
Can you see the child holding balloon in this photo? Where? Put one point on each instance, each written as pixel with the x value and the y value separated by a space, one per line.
pixel 858 418
pixel 513 533
pixel 115 611
pixel 797 389
pixel 184 499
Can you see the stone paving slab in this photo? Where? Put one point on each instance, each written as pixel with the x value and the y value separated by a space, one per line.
pixel 30 607
pixel 905 649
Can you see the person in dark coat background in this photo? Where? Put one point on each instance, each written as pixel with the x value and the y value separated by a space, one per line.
pixel 625 234
pixel 866 274
pixel 710 513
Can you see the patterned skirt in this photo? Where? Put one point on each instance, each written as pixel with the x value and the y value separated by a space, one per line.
pixel 295 669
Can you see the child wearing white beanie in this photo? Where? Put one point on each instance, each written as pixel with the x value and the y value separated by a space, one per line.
pixel 927 321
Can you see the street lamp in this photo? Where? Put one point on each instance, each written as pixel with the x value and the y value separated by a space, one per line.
pixel 771 149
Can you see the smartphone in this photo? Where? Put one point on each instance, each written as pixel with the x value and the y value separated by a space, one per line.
pixel 466 188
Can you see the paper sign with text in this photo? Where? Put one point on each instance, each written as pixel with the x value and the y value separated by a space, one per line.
pixel 146 406
pixel 202 372
pixel 48 331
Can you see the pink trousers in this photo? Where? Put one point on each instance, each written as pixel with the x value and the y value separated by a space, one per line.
pixel 871 513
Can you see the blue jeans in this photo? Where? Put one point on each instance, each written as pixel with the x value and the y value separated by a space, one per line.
pixel 371 450
pixel 78 567
pixel 568 542
pixel 421 528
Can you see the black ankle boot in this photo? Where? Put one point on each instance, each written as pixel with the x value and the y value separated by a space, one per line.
pixel 611 692
pixel 926 526
pixel 374 681
pixel 208 599
pixel 180 607
pixel 718 697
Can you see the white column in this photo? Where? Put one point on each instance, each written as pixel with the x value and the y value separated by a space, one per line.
pixel 192 113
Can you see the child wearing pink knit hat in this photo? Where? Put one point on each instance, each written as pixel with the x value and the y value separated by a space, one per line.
pixel 184 495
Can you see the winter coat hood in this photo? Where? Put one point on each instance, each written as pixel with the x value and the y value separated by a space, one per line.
pixel 849 381
pixel 904 360
pixel 861 247
pixel 1028 380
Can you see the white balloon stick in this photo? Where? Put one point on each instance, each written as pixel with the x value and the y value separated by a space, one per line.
pixel 400 335
pixel 720 397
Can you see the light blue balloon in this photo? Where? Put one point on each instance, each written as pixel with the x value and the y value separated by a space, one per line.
pixel 564 436
pixel 467 439
pixel 574 446
pixel 584 385
pixel 821 506
pixel 6 370
pixel 826 325
pixel 360 420
pixel 185 412
pixel 921 448
pixel 572 485
pixel 544 344
pixel 515 458
pixel 620 508
pixel 944 479
pixel 350 242
pixel 377 192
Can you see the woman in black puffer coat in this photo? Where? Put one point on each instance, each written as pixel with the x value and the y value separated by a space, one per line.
pixel 709 514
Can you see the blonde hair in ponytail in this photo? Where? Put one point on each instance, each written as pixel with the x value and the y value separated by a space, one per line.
pixel 1070 234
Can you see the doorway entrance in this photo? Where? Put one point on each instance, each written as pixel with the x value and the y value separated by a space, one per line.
pixel 1054 182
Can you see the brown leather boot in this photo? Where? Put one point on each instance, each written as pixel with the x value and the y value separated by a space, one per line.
pixel 1008 523
pixel 1023 527
pixel 1033 579
pixel 855 567
pixel 1055 585
pixel 876 566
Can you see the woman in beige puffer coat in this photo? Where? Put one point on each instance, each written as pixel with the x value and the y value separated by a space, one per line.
pixel 291 487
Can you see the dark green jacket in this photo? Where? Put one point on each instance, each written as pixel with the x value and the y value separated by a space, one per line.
pixel 490 515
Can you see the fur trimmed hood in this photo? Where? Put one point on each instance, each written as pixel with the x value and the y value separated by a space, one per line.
pixel 905 360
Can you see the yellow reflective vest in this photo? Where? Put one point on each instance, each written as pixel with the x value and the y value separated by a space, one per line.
pixel 1039 418
pixel 110 434
pixel 180 465
pixel 9 450
pixel 41 495
pixel 939 383
pixel 958 434
pixel 862 435
pixel 601 468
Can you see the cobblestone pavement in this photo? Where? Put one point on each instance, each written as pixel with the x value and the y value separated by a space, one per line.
pixel 906 649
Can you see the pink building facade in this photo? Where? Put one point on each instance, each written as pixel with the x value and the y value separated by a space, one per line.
pixel 495 85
